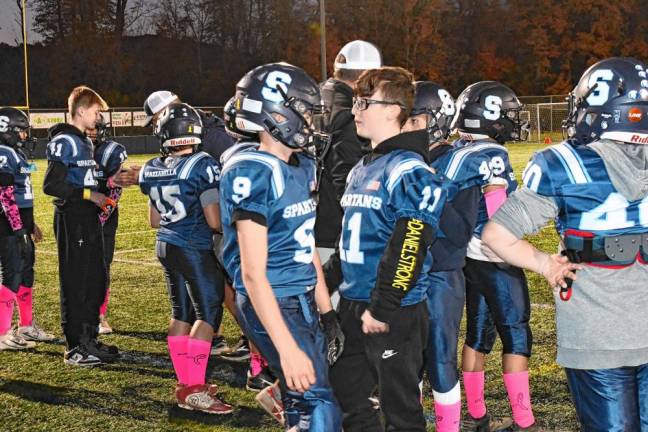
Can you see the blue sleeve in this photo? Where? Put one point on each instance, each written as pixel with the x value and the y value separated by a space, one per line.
pixel 415 191
pixel 537 176
pixel 208 175
pixel 144 185
pixel 247 186
pixel 115 159
pixel 62 150
pixel 8 163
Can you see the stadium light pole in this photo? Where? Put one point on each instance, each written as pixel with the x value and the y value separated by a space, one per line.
pixel 322 4
pixel 24 26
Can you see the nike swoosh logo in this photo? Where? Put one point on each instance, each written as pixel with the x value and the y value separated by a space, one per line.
pixel 388 354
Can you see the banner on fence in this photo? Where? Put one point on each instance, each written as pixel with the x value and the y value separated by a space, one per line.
pixel 122 118
pixel 46 120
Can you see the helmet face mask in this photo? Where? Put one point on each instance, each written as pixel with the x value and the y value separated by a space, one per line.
pixel 609 101
pixel 179 125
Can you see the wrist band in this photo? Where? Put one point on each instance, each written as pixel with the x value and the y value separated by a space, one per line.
pixel 86 194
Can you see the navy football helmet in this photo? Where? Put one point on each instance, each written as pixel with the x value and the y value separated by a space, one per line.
pixel 12 122
pixel 610 101
pixel 179 125
pixel 277 97
pixel 229 117
pixel 490 109
pixel 438 104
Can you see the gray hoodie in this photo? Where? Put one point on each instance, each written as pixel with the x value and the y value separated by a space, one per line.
pixel 605 325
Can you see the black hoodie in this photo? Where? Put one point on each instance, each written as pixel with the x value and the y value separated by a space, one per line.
pixel 55 183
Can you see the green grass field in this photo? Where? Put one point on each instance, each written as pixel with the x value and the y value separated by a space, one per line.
pixel 39 393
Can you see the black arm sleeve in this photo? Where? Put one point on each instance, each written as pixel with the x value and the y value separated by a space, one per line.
pixel 460 216
pixel 400 266
pixel 6 179
pixel 56 185
pixel 240 215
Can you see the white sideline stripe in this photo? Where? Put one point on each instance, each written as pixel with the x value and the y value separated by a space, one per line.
pixel 131 250
pixel 119 260
pixel 118 234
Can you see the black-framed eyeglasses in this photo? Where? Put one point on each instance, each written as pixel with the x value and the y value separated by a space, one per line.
pixel 362 103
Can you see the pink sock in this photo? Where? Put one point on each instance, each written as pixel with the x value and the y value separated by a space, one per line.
pixel 25 305
pixel 517 387
pixel 448 417
pixel 104 306
pixel 6 308
pixel 474 387
pixel 197 358
pixel 256 364
pixel 178 352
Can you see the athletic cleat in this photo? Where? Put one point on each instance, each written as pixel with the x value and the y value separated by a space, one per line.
pixel 471 424
pixel 13 341
pixel 270 400
pixel 515 428
pixel 375 402
pixel 263 379
pixel 484 424
pixel 35 333
pixel 79 356
pixel 219 346
pixel 107 353
pixel 239 352
pixel 104 327
pixel 201 397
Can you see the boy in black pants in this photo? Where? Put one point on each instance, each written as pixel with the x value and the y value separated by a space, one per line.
pixel 71 178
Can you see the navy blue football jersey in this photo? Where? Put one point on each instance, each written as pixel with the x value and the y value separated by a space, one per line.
pixel 76 154
pixel 575 178
pixel 473 163
pixel 378 193
pixel 174 186
pixel 109 157
pixel 259 182
pixel 14 162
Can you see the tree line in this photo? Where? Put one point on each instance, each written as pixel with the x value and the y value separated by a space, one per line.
pixel 200 48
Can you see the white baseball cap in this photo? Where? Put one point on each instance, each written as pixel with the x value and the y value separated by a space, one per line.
pixel 359 54
pixel 156 102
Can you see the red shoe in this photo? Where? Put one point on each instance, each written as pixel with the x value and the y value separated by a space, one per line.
pixel 270 400
pixel 201 397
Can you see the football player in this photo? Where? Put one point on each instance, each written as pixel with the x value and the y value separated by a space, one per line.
pixel 598 193
pixel 71 178
pixel 497 297
pixel 392 204
pixel 109 156
pixel 432 113
pixel 268 207
pixel 182 187
pixel 17 233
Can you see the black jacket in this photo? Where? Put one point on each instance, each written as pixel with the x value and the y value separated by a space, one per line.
pixel 215 139
pixel 346 150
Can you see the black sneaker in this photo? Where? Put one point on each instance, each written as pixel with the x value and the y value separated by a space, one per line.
pixel 107 353
pixel 79 356
pixel 239 352
pixel 219 346
pixel 471 424
pixel 263 379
